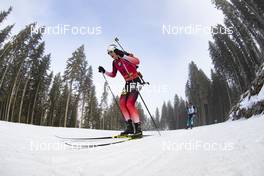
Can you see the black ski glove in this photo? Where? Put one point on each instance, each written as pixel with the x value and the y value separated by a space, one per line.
pixel 101 69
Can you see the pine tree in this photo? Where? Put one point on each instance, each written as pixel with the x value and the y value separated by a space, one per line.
pixel 4 14
pixel 198 92
pixel 237 56
pixel 220 100
pixel 91 117
pixel 146 125
pixel 176 111
pixel 17 62
pixel 157 117
pixel 164 117
pixel 182 114
pixel 241 48
pixel 74 76
pixel 171 119
pixel 54 96
pixel 103 106
pixel 40 82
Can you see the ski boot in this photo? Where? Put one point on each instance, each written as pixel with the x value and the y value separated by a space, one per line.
pixel 129 129
pixel 138 132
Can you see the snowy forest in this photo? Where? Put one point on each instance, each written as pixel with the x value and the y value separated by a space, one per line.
pixel 236 58
pixel 32 93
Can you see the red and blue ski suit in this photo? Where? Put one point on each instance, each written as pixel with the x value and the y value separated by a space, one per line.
pixel 127 66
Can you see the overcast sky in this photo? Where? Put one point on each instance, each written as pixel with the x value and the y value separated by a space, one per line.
pixel 146 28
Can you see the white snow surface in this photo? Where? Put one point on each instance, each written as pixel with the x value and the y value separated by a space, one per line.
pixel 227 149
pixel 248 102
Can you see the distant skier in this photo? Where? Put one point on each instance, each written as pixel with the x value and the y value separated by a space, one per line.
pixel 191 111
pixel 126 64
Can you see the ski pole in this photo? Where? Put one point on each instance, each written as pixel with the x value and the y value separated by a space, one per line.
pixel 117 41
pixel 113 96
pixel 149 113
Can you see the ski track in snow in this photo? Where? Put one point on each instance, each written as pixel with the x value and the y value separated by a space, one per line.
pixel 151 156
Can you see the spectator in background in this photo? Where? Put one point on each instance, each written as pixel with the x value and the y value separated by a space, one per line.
pixel 191 111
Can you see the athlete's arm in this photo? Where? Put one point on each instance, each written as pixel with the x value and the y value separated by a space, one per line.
pixel 113 73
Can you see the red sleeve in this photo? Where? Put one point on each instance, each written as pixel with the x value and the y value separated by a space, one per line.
pixel 134 60
pixel 113 73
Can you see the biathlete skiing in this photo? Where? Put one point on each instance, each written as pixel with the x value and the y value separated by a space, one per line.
pixel 126 64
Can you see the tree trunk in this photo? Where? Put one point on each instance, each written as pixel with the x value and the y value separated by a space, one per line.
pixel 34 104
pixel 67 106
pixel 22 100
pixel 82 111
pixel 12 92
pixel 77 105
pixel 28 111
pixel 14 103
pixel 3 76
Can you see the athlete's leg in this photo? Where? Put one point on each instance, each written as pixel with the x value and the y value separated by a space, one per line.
pixel 191 120
pixel 188 120
pixel 129 124
pixel 123 107
pixel 131 107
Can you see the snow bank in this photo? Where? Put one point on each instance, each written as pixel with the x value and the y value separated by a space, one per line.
pixel 252 101
pixel 249 102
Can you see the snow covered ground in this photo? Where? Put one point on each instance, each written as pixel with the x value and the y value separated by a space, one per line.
pixel 227 149
pixel 248 102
